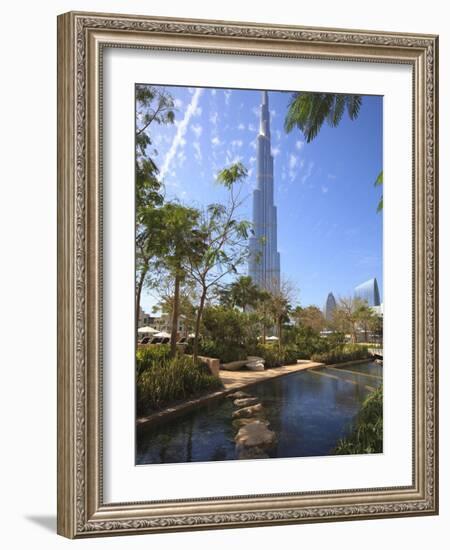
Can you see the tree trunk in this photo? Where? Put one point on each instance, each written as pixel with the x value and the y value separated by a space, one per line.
pixel 280 322
pixel 175 315
pixel 197 323
pixel 138 300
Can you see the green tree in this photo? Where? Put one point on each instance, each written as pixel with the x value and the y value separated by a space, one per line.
pixel 307 111
pixel 279 304
pixel 240 293
pixel 179 241
pixel 185 304
pixel 153 106
pixel 347 315
pixel 310 316
pixel 224 240
pixel 365 317
pixel 263 313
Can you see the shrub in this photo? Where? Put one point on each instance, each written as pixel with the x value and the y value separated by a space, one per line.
pixel 367 435
pixel 222 350
pixel 172 380
pixel 272 356
pixel 150 356
pixel 308 342
pixel 341 354
pixel 229 329
pixel 290 355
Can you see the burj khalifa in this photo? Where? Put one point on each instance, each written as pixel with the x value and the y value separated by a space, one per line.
pixel 264 258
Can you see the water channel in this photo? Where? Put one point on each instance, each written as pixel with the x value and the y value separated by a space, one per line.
pixel 309 411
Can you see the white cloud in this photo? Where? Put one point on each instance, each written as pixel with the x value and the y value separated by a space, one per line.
pixel 182 126
pixel 214 117
pixel 278 135
pixel 275 151
pixel 241 126
pixel 299 144
pixel 251 127
pixel 255 111
pixel 307 173
pixel 213 91
pixel 324 189
pixel 237 143
pixel 178 103
pixel 197 129
pixel 293 161
pixel 181 158
pixel 252 160
pixel 215 141
pixel 227 94
pixel 233 159
pixel 331 176
pixel 197 151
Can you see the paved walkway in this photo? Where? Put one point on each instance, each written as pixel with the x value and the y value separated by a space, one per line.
pixel 236 380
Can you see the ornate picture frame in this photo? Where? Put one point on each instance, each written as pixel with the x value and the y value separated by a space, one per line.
pixel 82 38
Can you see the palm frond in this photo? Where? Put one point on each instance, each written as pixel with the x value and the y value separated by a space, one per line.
pixel 307 111
pixel 379 180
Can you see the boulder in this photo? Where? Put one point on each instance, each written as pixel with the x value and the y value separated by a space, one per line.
pixel 251 452
pixel 238 395
pixel 246 401
pixel 239 422
pixel 255 434
pixel 248 412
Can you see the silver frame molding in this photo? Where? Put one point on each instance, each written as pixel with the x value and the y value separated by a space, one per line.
pixel 81 38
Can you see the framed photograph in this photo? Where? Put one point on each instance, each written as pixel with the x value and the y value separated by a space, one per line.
pixel 247 276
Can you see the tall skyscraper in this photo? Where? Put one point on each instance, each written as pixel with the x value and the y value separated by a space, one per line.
pixel 264 260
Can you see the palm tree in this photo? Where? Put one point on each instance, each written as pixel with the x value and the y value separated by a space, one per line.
pixel 309 110
pixel 379 182
pixel 242 293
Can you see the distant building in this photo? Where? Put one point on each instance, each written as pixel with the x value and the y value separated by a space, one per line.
pixel 369 292
pixel 161 323
pixel 145 319
pixel 330 307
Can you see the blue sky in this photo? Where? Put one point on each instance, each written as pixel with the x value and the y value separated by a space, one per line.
pixel 329 233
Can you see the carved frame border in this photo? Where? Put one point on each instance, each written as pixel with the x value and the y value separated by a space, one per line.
pixel 81 38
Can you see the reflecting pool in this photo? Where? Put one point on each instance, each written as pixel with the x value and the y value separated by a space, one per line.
pixel 309 411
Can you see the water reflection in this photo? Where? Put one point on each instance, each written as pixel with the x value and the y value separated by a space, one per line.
pixel 310 411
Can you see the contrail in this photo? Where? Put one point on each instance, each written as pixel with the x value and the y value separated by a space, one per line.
pixel 181 130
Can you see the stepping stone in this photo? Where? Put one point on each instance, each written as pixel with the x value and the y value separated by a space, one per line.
pixel 246 401
pixel 248 412
pixel 238 395
pixel 252 452
pixel 239 422
pixel 255 434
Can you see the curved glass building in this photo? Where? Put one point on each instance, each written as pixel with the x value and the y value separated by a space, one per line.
pixel 369 292
pixel 330 306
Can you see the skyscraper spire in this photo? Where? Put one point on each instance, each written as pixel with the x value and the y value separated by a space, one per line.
pixel 264 261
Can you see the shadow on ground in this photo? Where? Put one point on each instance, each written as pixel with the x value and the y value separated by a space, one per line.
pixel 46 522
